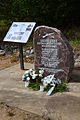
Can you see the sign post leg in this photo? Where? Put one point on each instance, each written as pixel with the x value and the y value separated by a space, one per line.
pixel 21 56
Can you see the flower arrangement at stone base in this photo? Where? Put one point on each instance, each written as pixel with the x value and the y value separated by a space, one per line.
pixel 37 81
pixel 33 79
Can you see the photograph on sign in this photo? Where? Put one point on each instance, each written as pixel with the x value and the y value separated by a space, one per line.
pixel 19 32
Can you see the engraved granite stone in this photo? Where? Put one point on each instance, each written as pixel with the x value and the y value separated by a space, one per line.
pixel 53 52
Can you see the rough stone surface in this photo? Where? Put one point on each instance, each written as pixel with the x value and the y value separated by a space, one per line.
pixel 53 52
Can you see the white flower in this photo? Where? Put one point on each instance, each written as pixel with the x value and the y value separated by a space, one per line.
pixel 26 72
pixel 30 70
pixel 41 71
pixel 48 79
pixel 33 72
pixel 40 75
pixel 26 75
pixel 27 78
pixel 34 76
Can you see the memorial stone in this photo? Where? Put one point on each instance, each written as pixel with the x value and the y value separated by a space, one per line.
pixel 53 53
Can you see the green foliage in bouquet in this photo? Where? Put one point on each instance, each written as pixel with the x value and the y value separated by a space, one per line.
pixel 58 88
pixel 47 88
pixel 37 80
pixel 61 87
pixel 34 86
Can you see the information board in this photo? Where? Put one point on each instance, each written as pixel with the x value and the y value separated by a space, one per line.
pixel 19 32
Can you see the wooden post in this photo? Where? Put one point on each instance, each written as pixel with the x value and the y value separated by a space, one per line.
pixel 21 56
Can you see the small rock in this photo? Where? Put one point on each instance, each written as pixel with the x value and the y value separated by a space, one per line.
pixel 77 54
pixel 31 56
pixel 27 56
pixel 2 52
pixel 2 46
pixel 15 51
pixel 77 60
pixel 24 53
pixel 15 47
pixel 32 51
pixel 77 64
pixel 79 57
pixel 27 52
pixel 9 50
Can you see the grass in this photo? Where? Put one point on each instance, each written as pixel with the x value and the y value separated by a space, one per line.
pixel 34 86
pixel 74 42
pixel 14 58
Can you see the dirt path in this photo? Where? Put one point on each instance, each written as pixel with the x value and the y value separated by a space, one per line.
pixel 12 113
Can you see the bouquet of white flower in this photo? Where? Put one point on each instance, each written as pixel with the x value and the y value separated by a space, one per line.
pixel 37 81
pixel 31 76
pixel 51 81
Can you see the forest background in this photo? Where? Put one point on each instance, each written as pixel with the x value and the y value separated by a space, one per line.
pixel 62 14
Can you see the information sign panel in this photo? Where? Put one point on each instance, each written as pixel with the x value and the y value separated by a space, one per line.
pixel 19 32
